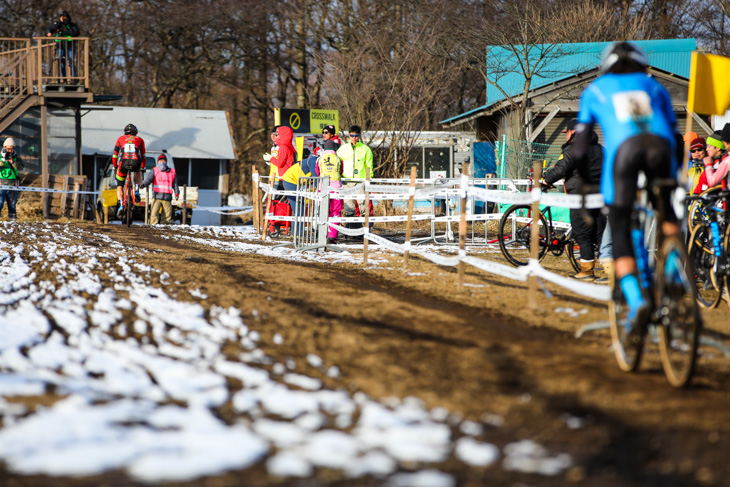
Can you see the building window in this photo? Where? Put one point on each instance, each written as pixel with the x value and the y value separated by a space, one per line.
pixel 204 173
pixel 182 169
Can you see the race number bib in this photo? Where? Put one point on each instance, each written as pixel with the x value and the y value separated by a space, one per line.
pixel 130 148
pixel 632 106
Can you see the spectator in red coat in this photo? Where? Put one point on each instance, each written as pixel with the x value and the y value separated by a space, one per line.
pixel 287 153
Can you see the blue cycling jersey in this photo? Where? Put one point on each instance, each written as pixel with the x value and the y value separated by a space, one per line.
pixel 626 105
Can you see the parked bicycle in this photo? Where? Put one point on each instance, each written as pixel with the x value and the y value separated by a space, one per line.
pixel 697 213
pixel 673 300
pixel 708 248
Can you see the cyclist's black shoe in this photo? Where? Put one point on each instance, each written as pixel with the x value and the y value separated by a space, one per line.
pixel 120 210
pixel 331 241
pixel 137 196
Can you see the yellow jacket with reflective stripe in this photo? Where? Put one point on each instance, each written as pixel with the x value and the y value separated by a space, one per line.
pixel 293 174
pixel 355 160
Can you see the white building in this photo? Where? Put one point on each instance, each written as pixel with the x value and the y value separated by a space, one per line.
pixel 199 141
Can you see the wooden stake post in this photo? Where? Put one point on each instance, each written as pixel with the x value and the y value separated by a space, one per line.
pixel 256 201
pixel 462 222
pixel 265 230
pixel 367 219
pixel 409 224
pixel 684 177
pixel 535 232
pixel 148 209
pixel 185 205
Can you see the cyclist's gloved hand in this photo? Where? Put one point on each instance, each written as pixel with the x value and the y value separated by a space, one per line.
pixel 545 186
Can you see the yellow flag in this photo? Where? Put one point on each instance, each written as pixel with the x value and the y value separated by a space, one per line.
pixel 709 84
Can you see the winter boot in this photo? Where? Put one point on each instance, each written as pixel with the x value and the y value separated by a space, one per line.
pixel 586 271
pixel 607 277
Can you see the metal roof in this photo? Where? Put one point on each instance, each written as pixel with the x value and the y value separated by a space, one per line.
pixel 562 61
pixel 195 134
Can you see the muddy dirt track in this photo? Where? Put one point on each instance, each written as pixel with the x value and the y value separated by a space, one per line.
pixel 479 351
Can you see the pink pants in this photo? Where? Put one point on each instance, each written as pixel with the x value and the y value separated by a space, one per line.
pixel 335 210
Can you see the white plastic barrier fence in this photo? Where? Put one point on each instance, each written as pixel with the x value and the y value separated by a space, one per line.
pixel 533 268
pixel 389 190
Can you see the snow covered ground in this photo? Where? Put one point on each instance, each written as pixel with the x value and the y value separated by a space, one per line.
pixel 133 379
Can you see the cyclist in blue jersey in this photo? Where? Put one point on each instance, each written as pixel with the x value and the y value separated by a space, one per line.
pixel 640 134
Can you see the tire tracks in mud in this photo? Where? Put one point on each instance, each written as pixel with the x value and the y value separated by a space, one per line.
pixel 454 351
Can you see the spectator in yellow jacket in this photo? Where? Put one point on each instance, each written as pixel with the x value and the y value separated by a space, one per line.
pixel 356 158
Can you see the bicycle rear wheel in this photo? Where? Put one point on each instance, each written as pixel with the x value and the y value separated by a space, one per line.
pixel 702 255
pixel 514 236
pixel 681 324
pixel 725 279
pixel 627 347
pixel 129 202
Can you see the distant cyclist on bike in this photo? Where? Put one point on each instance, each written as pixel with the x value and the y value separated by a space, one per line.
pixel 640 134
pixel 129 156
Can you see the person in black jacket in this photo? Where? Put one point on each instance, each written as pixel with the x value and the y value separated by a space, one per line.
pixel 587 234
pixel 64 30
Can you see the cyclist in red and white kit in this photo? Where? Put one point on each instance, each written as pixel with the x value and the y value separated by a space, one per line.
pixel 128 151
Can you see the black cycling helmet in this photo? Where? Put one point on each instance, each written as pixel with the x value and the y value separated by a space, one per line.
pixel 623 57
pixel 130 129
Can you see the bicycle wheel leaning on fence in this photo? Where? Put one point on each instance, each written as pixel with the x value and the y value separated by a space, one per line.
pixel 515 234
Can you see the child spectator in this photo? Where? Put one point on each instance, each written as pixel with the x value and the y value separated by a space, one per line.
pixel 697 154
pixel 329 165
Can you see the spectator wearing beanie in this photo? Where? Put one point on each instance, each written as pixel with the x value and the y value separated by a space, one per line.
pixel 164 181
pixel 697 154
pixel 716 164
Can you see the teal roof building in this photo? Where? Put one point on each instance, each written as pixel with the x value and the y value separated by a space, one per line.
pixel 552 63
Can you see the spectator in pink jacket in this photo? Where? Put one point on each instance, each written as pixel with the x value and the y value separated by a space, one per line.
pixel 718 161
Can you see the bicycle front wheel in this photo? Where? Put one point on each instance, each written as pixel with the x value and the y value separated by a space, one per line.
pixel 628 347
pixel 681 324
pixel 702 255
pixel 573 251
pixel 514 235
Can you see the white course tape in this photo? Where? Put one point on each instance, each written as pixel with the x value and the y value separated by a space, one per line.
pixel 535 194
pixel 353 232
pixel 225 210
pixel 379 219
pixel 392 246
pixel 255 177
pixel 574 201
pixel 595 291
pixel 44 190
pixel 469 218
pixel 533 267
pixel 516 274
